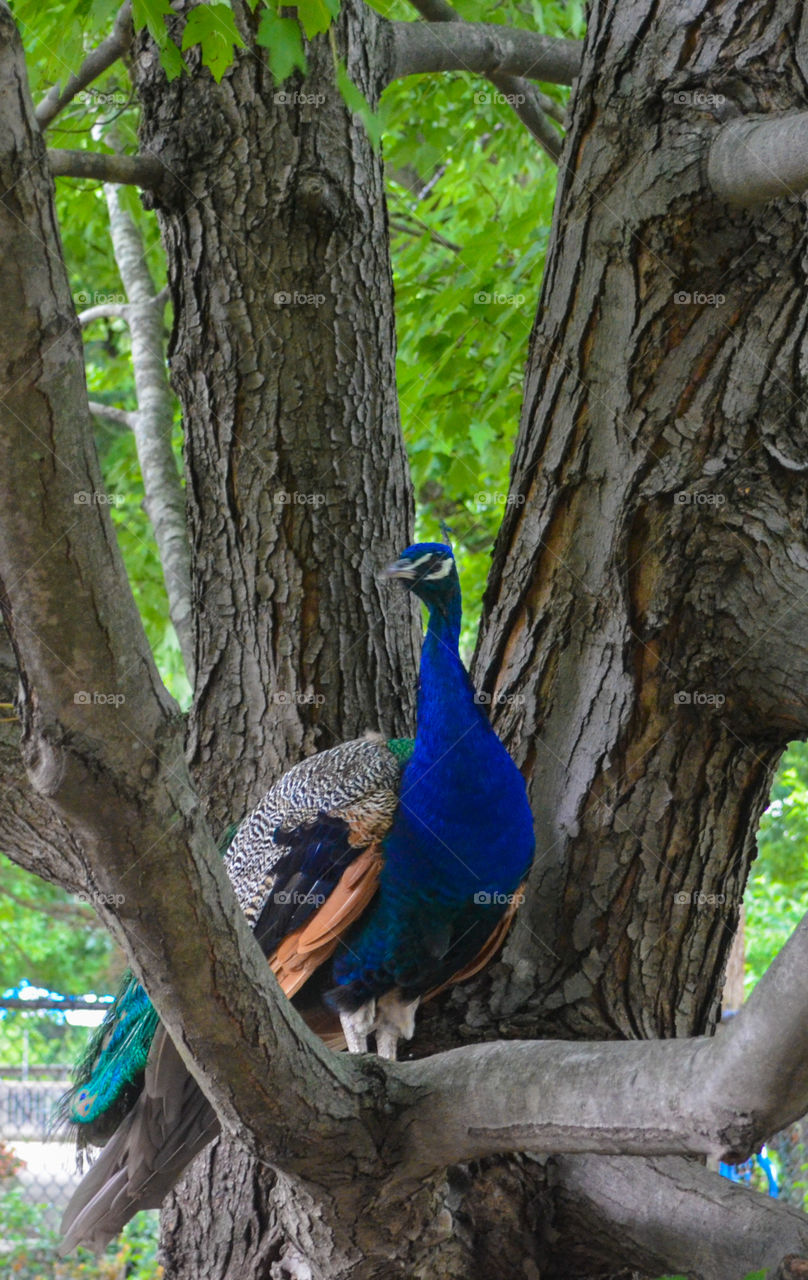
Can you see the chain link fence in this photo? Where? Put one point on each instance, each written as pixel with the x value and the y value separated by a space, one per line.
pixel 38 1047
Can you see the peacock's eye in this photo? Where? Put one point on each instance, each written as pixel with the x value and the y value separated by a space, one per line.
pixel 439 568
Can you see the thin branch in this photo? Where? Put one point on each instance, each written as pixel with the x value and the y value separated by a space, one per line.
pixel 119 310
pixel 753 161
pixel 483 48
pixel 153 422
pixel 122 417
pixel 139 171
pixel 104 311
pixel 523 98
pixel 96 62
pixel 408 230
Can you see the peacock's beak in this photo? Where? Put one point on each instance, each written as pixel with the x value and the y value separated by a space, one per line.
pixel 399 569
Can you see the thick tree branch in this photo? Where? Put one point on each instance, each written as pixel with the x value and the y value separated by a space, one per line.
pixel 139 171
pixel 153 422
pixel 523 98
pixel 31 833
pixel 719 1096
pixel 669 1215
pixel 483 48
pixel 101 739
pixel 753 161
pixel 96 62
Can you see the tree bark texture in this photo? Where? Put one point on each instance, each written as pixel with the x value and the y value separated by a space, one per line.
pixel 644 637
pixel 283 359
pixel 154 420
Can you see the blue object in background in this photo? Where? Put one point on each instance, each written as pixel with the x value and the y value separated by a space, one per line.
pixel 743 1172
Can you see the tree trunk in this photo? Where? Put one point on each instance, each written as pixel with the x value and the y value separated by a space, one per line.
pixel 646 616
pixel 283 358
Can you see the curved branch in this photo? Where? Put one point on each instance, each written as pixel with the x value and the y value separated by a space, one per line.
pixel 96 62
pixel 483 48
pixel 524 99
pixel 101 738
pixel 753 161
pixel 104 311
pixel 139 171
pixel 122 417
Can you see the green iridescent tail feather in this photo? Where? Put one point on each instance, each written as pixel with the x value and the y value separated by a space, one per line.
pixel 109 1076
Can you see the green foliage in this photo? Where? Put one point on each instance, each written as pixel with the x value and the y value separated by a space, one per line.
pixel 282 39
pixel 50 938
pixel 471 199
pixel 153 14
pixel 213 28
pixel 33 1246
pixel 777 893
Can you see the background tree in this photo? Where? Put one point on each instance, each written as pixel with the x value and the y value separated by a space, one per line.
pixel 642 637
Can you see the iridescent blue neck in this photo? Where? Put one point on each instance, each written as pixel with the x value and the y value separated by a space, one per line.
pixel 446 706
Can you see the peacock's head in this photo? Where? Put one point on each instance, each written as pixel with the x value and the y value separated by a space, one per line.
pixel 428 570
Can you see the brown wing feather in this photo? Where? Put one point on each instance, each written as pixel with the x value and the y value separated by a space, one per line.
pixel 302 952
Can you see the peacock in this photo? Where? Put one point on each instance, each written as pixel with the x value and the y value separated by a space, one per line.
pixel 373 874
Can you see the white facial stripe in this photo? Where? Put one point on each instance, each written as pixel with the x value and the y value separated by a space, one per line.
pixel 444 568
pixel 421 559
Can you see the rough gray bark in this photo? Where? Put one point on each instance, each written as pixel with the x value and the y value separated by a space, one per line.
pixel 154 421
pixel 283 360
pixel 649 382
pixel 298 490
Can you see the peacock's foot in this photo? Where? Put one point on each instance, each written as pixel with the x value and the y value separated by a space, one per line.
pixel 395 1020
pixel 356 1026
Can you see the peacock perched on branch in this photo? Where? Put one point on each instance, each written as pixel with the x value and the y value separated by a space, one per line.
pixel 373 874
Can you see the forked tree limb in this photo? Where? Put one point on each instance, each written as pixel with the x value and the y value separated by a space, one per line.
pixel 111 765
pixel 101 739
pixel 523 98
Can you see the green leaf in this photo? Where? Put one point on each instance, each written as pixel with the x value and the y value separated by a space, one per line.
pixel 358 103
pixel 213 27
pixel 283 41
pixel 152 14
pixel 316 15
